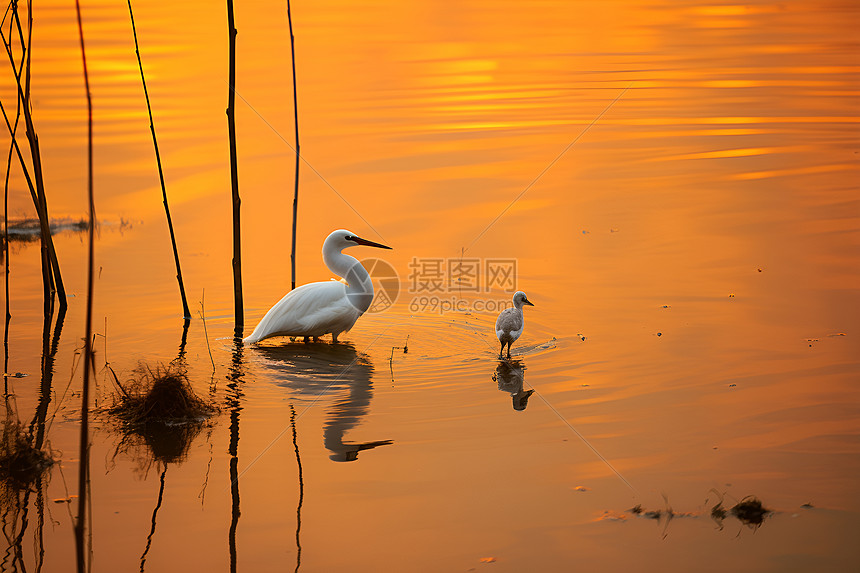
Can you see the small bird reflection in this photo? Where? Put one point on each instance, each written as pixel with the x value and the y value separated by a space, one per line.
pixel 315 369
pixel 510 375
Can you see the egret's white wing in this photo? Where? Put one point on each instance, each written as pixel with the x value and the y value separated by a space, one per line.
pixel 313 309
pixel 509 324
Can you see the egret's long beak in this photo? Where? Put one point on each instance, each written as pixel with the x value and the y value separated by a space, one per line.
pixel 528 302
pixel 367 243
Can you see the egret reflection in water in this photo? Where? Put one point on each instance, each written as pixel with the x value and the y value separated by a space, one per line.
pixel 510 376
pixel 312 370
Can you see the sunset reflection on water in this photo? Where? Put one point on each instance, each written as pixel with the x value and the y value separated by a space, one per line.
pixel 676 182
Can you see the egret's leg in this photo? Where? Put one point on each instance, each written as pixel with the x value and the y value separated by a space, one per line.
pixel 306 339
pixel 316 338
pixel 509 349
pixel 502 349
pixel 334 336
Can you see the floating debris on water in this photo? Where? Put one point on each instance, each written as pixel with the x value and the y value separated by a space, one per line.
pixel 29 230
pixel 751 512
pixel 719 513
pixel 580 488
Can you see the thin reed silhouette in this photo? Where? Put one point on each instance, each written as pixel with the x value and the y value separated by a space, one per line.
pixel 185 311
pixel 234 179
pixel 83 472
pixel 298 155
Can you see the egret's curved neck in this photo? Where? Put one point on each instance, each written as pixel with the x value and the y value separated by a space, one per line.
pixel 518 304
pixel 348 268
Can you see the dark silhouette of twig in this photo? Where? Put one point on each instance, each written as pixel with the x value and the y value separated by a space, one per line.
pixel 234 397
pixel 154 515
pixel 298 155
pixel 40 523
pixel 51 278
pixel 12 146
pixel 185 312
pixel 301 490
pixel 234 179
pixel 8 314
pixel 83 473
pixel 50 346
pixel 205 332
pixel 183 342
pixel 405 349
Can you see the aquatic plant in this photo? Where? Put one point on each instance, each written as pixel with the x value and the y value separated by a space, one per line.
pixel 52 280
pixel 162 394
pixel 234 180
pixel 158 414
pixel 298 155
pixel 84 464
pixel 186 312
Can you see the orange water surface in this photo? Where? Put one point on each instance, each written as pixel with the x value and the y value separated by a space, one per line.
pixel 674 184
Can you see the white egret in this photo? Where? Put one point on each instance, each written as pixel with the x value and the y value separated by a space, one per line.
pixel 315 309
pixel 510 324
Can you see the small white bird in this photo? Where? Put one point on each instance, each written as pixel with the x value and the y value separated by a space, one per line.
pixel 510 324
pixel 315 309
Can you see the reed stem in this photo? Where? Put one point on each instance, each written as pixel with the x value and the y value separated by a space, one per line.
pixel 234 179
pixel 185 311
pixel 83 473
pixel 298 155
pixel 51 277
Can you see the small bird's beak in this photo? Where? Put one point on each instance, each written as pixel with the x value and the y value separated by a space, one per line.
pixel 528 302
pixel 367 243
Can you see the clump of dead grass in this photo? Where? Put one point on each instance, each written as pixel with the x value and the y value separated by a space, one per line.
pixel 159 414
pixel 162 394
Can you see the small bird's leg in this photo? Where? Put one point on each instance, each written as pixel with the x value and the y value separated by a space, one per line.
pixel 334 336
